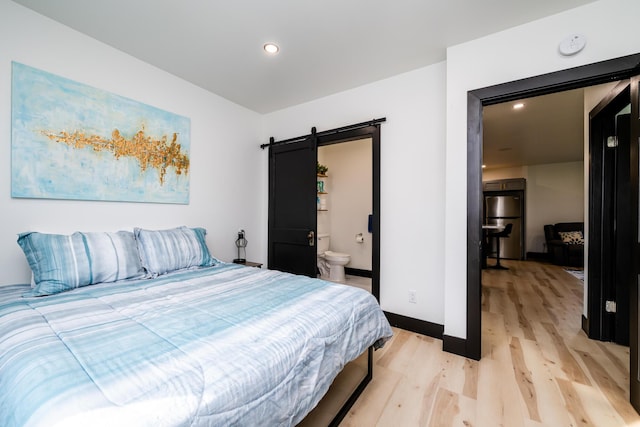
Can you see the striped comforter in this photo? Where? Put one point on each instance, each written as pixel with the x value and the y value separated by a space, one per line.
pixel 225 345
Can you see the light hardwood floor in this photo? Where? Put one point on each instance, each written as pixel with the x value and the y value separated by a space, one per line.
pixel 537 369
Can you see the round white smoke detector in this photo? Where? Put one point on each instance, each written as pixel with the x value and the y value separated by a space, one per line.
pixel 572 44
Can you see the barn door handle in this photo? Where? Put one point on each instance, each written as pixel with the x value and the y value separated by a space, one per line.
pixel 312 238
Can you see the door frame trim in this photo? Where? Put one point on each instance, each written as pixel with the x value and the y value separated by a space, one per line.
pixel 634 387
pixel 573 78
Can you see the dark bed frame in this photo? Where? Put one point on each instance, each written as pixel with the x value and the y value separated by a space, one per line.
pixel 355 394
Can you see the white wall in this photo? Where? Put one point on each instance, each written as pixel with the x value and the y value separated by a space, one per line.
pixel 412 176
pixel 524 51
pixel 555 193
pixel 350 199
pixel 227 166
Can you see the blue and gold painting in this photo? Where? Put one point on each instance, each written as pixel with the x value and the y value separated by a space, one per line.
pixel 72 141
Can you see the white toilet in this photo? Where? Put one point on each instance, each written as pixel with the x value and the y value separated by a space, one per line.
pixel 330 263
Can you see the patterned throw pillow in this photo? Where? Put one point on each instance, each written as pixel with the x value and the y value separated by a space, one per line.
pixel 572 237
pixel 163 251
pixel 63 262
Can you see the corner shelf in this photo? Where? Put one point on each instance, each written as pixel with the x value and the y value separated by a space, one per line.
pixel 321 193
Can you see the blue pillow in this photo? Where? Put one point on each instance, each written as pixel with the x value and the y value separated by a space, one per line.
pixel 63 262
pixel 163 251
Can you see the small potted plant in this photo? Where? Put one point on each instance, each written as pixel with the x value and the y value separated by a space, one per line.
pixel 321 169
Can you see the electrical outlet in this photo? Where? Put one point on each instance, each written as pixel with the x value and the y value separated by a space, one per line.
pixel 412 297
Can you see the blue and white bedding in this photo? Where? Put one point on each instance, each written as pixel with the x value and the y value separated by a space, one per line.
pixel 217 346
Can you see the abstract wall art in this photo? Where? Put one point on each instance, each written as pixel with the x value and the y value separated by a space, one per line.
pixel 73 141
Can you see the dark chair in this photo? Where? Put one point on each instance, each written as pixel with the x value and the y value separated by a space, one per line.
pixel 561 253
pixel 497 235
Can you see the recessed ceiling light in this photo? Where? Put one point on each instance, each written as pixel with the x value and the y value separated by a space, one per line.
pixel 271 48
pixel 518 106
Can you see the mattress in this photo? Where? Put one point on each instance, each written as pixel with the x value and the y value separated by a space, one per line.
pixel 224 345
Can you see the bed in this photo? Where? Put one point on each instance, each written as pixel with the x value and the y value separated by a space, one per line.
pixel 209 344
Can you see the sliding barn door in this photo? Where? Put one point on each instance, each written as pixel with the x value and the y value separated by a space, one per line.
pixel 292 207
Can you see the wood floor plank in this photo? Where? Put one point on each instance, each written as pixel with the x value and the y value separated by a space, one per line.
pixel 372 402
pixel 400 337
pixel 574 404
pixel 605 354
pixel 568 363
pixel 599 410
pixel 470 388
pixel 406 394
pixel 494 333
pixel 452 370
pixel 523 322
pixel 613 392
pixel 617 355
pixel 524 379
pixel 490 403
pixel 418 388
pixel 428 401
pixel 546 304
pixel 486 298
pixel 446 409
pixel 550 404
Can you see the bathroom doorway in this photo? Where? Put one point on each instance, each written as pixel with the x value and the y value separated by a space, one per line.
pixel 293 193
pixel 344 205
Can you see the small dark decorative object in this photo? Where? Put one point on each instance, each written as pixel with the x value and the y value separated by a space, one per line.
pixel 241 244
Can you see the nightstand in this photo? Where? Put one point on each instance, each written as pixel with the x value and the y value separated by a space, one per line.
pixel 250 264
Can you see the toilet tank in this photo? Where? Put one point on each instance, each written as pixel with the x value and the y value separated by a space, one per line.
pixel 322 244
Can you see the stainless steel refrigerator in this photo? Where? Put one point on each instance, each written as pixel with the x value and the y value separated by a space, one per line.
pixel 501 210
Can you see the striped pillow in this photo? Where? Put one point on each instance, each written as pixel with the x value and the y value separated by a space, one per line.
pixel 63 262
pixel 163 251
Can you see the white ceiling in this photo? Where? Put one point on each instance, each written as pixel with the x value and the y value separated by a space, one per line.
pixel 327 46
pixel 548 129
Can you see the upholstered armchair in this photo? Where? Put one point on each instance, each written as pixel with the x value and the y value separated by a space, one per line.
pixel 565 243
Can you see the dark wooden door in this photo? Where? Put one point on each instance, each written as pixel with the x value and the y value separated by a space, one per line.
pixel 634 170
pixel 610 218
pixel 292 207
